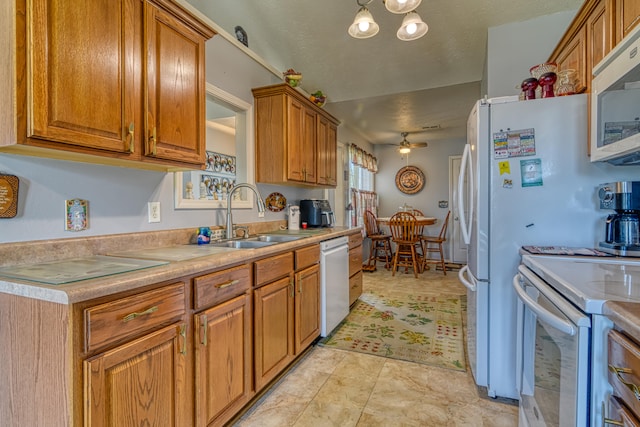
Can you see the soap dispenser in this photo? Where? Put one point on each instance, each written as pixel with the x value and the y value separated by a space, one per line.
pixel 294 217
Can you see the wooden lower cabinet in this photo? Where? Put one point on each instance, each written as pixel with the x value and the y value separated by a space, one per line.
pixel 139 383
pixel 223 361
pixel 307 307
pixel 273 329
pixel 355 267
pixel 287 311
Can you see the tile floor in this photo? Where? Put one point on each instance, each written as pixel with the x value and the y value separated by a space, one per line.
pixel 332 387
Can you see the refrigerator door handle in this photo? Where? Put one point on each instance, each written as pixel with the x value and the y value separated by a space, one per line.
pixel 469 284
pixel 465 221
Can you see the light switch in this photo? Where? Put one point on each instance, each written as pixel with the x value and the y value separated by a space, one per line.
pixel 154 211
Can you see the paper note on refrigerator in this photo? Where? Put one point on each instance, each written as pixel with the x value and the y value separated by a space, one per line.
pixel 514 143
pixel 531 172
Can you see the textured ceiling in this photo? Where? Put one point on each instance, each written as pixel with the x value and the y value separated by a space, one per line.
pixel 381 86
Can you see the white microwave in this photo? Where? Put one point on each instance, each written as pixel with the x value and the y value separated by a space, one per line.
pixel 615 104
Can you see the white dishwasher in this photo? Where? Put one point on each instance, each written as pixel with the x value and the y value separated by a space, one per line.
pixel 334 283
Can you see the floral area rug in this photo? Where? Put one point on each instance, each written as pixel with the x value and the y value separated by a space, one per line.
pixel 421 329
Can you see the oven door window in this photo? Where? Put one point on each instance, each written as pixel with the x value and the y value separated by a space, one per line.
pixel 555 367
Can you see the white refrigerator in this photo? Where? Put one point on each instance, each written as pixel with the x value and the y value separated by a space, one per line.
pixel 525 179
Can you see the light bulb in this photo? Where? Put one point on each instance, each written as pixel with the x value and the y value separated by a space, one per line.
pixel 402 1
pixel 363 26
pixel 411 28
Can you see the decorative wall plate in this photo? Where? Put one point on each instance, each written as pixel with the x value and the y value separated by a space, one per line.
pixel 276 202
pixel 410 180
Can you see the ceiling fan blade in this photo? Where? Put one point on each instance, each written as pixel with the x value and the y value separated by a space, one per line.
pixel 418 144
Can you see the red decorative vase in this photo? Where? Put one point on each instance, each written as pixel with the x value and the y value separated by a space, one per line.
pixel 546 81
pixel 529 88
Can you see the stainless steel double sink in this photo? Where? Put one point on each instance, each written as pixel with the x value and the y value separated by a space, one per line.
pixel 256 242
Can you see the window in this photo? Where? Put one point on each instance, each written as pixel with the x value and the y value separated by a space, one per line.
pixel 362 195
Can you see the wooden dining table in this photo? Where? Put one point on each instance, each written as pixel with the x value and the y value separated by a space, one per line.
pixel 420 220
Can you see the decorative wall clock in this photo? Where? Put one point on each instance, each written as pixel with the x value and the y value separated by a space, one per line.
pixel 410 180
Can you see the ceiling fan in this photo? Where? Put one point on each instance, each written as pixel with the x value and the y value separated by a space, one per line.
pixel 405 146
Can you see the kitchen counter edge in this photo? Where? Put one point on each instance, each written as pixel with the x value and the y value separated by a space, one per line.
pixel 85 290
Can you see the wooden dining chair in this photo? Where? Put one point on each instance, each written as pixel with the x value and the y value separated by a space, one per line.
pixel 380 243
pixel 417 212
pixel 433 244
pixel 406 235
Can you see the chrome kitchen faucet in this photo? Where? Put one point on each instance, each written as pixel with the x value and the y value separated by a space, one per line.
pixel 261 206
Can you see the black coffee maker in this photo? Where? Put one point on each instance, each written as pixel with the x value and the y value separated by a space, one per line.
pixel 622 228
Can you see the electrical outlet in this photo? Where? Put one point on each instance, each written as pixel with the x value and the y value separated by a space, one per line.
pixel 154 211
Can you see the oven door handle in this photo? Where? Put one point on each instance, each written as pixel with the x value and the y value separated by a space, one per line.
pixel 542 313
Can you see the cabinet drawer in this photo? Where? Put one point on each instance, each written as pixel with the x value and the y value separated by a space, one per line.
pixel 624 369
pixel 220 286
pixel 269 269
pixel 116 320
pixel 308 256
pixel 355 260
pixel 355 240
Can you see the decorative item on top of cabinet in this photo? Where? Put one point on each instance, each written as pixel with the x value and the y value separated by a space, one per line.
pixel 112 113
pixel 355 267
pixel 296 141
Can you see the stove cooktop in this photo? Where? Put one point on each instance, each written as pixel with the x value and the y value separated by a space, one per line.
pixel 588 282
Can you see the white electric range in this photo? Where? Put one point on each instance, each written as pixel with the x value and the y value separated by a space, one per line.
pixel 562 334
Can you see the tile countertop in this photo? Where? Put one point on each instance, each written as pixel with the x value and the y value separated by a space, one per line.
pixel 93 288
pixel 626 316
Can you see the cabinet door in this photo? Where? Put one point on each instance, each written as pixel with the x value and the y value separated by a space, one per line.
pixel 273 329
pixel 307 310
pixel 175 89
pixel 295 134
pixel 628 16
pixel 82 90
pixel 139 383
pixel 599 36
pixel 572 56
pixel 327 147
pixel 223 361
pixel 308 147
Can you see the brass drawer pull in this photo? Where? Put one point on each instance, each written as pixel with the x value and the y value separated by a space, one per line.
pixel 619 371
pixel 227 284
pixel 613 422
pixel 134 315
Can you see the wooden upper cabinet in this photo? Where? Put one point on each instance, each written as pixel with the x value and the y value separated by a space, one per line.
pixel 599 35
pixel 627 17
pixel 573 56
pixel 82 78
pixel 296 141
pixel 175 89
pixel 327 152
pixel 109 81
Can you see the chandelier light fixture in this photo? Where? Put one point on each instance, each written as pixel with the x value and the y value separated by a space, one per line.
pixel 412 27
